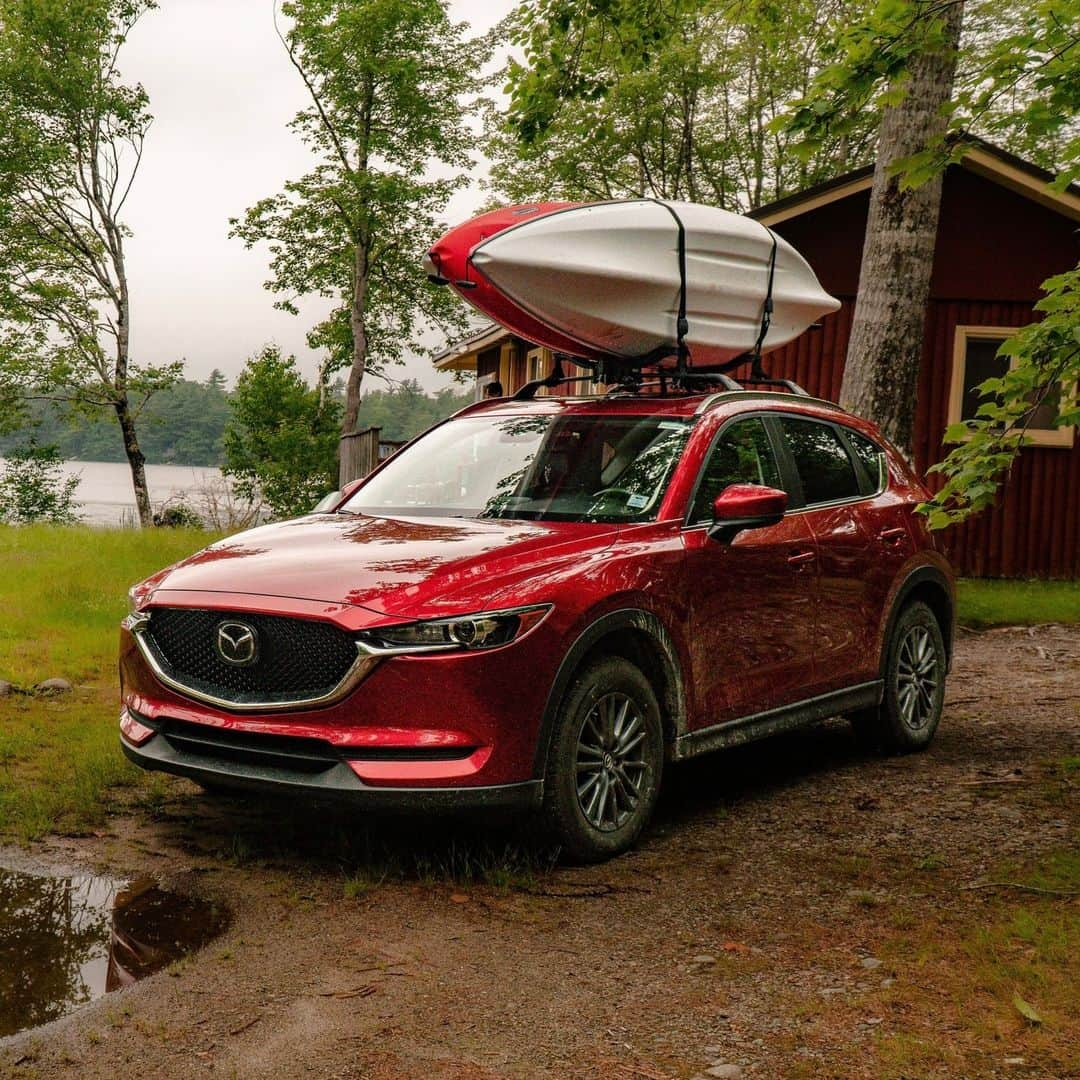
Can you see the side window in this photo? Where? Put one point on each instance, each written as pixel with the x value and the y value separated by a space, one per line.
pixel 826 471
pixel 742 455
pixel 872 457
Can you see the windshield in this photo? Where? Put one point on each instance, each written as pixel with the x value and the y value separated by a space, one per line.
pixel 538 468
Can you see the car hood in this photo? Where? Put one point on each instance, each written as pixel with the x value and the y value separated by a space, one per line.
pixel 413 567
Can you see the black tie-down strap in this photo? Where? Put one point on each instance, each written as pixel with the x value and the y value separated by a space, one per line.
pixel 766 311
pixel 682 326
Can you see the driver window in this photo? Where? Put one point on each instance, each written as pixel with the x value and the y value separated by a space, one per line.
pixel 742 455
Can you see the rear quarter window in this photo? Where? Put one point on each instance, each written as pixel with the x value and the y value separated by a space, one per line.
pixel 872 457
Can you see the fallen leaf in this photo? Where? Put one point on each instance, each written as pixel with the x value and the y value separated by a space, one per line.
pixel 458 898
pixel 1026 1010
pixel 735 946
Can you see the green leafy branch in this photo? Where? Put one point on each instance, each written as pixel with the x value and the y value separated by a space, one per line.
pixel 1045 371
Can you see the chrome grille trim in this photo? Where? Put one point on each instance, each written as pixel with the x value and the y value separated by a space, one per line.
pixel 362 666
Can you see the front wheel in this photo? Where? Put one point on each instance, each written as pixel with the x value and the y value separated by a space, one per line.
pixel 914 685
pixel 605 761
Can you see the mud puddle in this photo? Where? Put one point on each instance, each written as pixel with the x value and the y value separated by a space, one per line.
pixel 65 941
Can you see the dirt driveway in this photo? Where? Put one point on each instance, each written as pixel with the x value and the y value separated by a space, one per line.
pixel 800 908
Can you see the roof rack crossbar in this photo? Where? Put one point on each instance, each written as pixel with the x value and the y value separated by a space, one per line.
pixel 764 380
pixel 558 377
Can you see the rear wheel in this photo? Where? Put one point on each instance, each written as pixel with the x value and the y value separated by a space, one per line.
pixel 914 685
pixel 605 761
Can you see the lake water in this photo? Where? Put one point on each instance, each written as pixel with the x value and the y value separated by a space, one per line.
pixel 104 493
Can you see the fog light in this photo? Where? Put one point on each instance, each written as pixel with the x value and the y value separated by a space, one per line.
pixel 132 730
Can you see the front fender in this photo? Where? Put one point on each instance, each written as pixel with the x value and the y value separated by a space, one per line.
pixel 663 650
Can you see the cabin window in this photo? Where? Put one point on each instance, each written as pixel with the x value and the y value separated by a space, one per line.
pixel 534 360
pixel 976 359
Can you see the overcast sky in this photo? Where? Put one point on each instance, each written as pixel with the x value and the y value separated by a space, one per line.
pixel 221 91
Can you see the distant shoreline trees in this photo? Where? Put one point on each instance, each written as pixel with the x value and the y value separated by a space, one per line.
pixel 185 424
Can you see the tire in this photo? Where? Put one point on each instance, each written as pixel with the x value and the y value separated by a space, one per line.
pixel 608 732
pixel 914 691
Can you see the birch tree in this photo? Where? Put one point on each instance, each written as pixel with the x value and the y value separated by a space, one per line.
pixel 881 371
pixel 70 147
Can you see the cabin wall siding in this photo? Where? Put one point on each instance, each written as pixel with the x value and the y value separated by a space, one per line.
pixel 1034 530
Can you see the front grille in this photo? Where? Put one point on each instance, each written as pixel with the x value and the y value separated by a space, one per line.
pixel 298 659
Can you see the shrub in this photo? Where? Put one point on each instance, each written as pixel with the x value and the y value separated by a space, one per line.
pixel 34 488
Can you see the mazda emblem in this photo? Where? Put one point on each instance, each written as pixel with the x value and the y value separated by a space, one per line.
pixel 237 643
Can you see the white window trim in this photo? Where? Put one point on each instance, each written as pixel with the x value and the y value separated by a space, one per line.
pixel 1061 437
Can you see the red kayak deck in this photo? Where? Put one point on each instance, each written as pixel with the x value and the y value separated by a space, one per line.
pixel 448 263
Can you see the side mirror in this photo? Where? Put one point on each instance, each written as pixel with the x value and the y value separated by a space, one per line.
pixel 746 506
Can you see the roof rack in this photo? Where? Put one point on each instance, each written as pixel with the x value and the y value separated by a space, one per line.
pixel 671 381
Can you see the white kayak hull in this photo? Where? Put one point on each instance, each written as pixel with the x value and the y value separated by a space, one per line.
pixel 606 275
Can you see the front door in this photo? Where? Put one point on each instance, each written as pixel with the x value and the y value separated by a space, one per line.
pixel 855 567
pixel 751 601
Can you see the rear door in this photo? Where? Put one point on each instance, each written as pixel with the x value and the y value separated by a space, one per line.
pixel 751 601
pixel 859 551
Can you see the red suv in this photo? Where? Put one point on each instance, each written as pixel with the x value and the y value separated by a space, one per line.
pixel 538 603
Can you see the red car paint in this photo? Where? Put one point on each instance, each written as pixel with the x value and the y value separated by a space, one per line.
pixel 777 616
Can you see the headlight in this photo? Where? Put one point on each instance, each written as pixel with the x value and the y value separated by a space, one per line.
pixel 486 630
pixel 133 599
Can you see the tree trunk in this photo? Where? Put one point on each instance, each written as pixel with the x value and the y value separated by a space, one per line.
pixel 885 350
pixel 136 461
pixel 360 350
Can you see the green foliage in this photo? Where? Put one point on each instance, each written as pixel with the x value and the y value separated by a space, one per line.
pixel 69 147
pixel 281 441
pixel 1018 80
pixel 673 100
pixel 386 79
pixel 33 487
pixel 182 425
pixel 1045 371
pixel 404 411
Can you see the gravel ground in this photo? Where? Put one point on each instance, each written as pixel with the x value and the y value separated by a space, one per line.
pixel 797 909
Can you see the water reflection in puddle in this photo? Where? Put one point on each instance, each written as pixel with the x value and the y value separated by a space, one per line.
pixel 67 940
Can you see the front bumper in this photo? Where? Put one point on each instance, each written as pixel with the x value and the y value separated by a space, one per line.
pixel 224 765
pixel 414 725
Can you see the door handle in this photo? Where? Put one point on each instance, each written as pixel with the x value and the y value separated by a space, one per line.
pixel 893 536
pixel 801 557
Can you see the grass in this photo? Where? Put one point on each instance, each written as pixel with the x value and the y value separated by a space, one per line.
pixel 63 592
pixel 973 974
pixel 984 603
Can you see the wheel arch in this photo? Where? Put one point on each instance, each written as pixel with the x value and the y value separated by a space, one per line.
pixel 929 585
pixel 638 636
